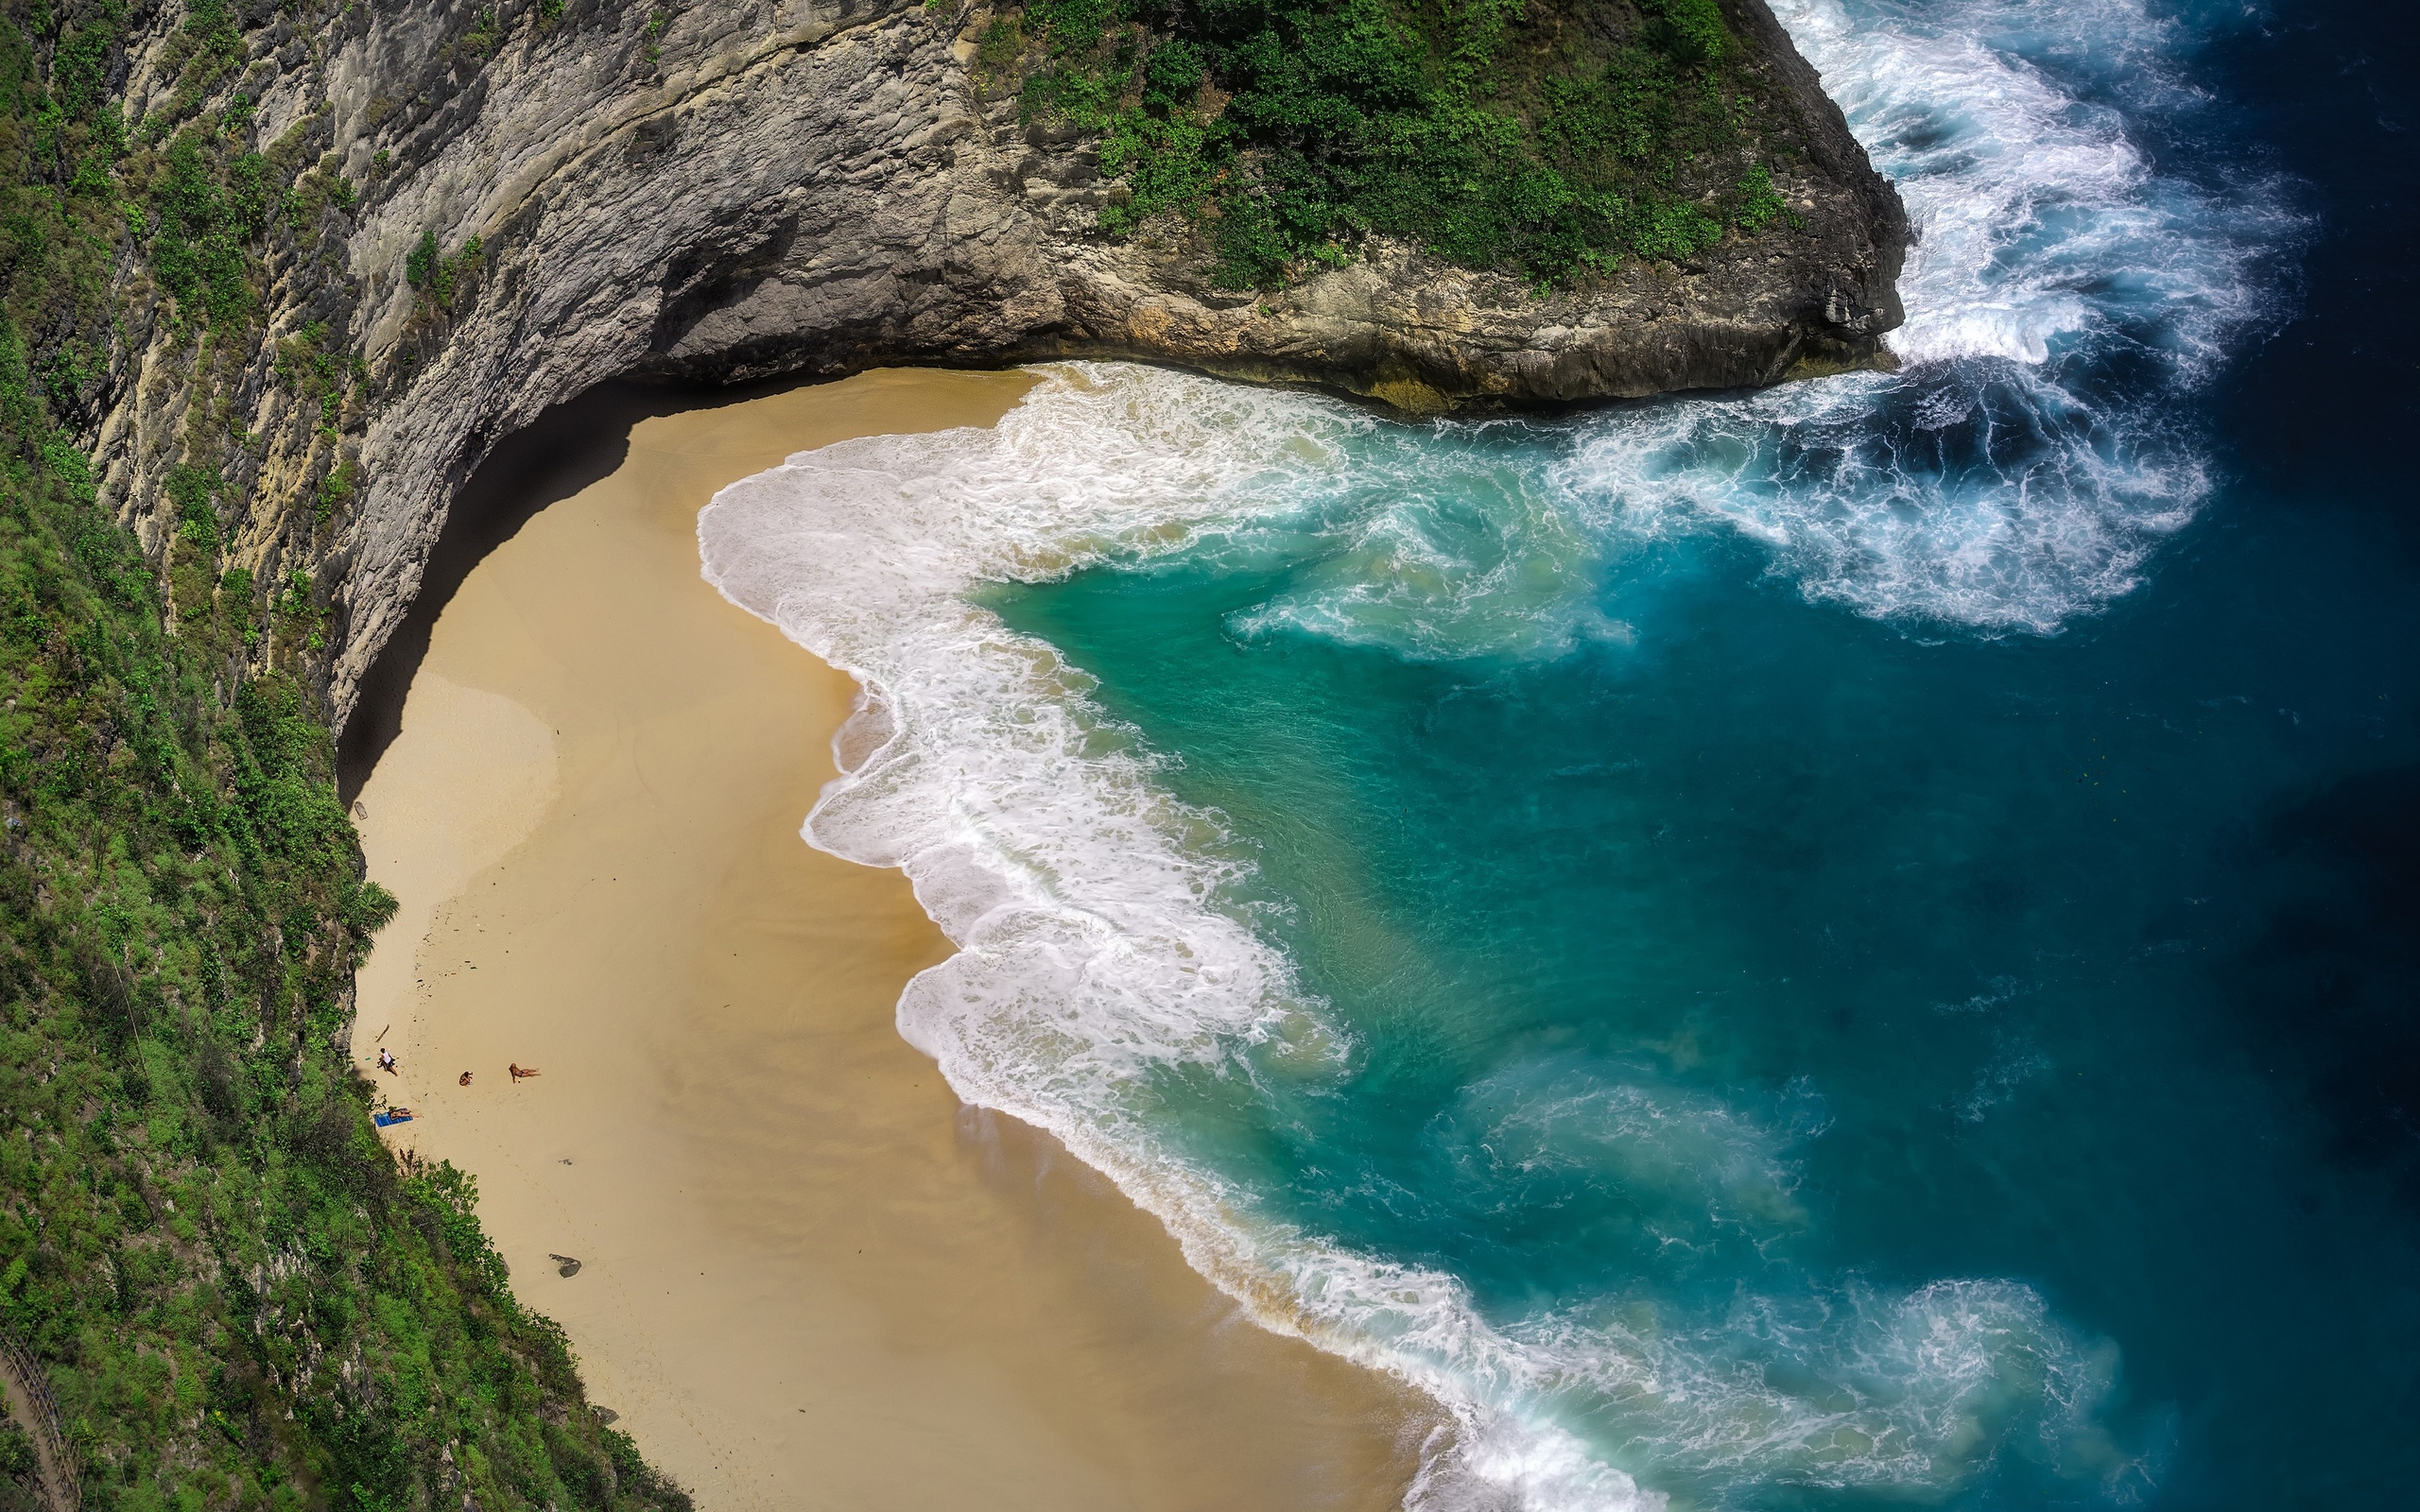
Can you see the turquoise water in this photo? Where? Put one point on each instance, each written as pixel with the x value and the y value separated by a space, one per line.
pixel 1843 946
pixel 1766 970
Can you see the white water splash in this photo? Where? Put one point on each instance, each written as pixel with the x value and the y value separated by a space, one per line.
pixel 1099 939
pixel 2004 481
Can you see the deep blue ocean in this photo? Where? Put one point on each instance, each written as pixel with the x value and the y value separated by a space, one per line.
pixel 1855 946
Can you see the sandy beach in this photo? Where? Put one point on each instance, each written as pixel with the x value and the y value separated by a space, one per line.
pixel 807 1277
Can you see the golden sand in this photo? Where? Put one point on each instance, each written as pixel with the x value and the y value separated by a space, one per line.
pixel 808 1278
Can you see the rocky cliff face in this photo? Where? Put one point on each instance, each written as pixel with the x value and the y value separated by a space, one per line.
pixel 761 187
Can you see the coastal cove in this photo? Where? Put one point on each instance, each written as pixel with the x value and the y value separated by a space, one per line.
pixel 803 1267
pixel 1801 949
pixel 1116 756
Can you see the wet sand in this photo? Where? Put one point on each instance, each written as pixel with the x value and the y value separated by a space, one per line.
pixel 808 1278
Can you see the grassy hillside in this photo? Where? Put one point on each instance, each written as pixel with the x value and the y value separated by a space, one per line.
pixel 1549 137
pixel 239 1298
pixel 243 1302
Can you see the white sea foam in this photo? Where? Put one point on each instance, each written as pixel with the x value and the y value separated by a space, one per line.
pixel 1089 907
pixel 2015 475
pixel 1435 545
pixel 1997 482
pixel 2036 214
pixel 2062 297
pixel 1099 937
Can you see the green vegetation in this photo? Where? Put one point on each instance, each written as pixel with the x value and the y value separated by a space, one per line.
pixel 210 205
pixel 198 1227
pixel 242 1300
pixel 436 275
pixel 305 364
pixel 1537 135
pixel 60 210
pixel 483 37
pixel 17 1462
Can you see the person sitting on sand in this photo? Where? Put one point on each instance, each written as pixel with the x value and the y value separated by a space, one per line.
pixel 386 1060
pixel 519 1072
pixel 465 1080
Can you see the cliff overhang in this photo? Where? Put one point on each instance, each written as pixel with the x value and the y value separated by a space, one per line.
pixel 552 194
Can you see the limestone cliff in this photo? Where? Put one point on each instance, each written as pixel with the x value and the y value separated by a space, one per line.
pixel 739 190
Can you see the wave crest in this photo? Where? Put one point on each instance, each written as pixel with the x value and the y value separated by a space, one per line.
pixel 2017 473
pixel 1105 935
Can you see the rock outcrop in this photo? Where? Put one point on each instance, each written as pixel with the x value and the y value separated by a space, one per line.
pixel 744 190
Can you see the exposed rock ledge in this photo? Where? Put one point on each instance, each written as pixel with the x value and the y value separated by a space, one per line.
pixel 817 186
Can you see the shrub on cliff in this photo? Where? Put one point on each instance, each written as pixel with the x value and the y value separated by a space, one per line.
pixel 1539 135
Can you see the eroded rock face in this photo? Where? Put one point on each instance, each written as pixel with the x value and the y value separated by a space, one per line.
pixel 817 186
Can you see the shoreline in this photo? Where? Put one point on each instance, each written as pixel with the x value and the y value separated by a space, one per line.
pixel 591 816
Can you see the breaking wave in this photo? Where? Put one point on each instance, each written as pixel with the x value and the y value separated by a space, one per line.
pixel 2015 473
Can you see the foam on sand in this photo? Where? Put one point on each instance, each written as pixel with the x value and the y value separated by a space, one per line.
pixel 2017 474
pixel 1104 938
pixel 802 1264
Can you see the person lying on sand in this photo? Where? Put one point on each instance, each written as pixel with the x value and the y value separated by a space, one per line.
pixel 519 1072
pixel 465 1081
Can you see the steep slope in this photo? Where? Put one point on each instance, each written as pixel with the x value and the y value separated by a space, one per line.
pixel 207 1258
